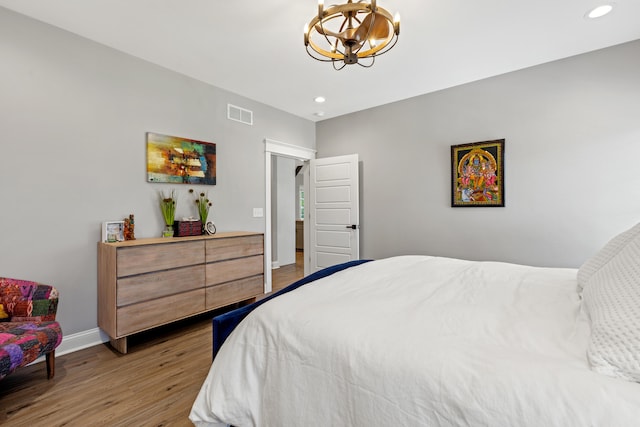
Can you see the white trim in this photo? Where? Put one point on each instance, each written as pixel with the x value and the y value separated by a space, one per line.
pixel 79 341
pixel 289 150
pixel 275 265
pixel 307 219
pixel 272 147
pixel 267 222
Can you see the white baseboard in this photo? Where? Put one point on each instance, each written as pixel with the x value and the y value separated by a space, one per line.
pixel 81 340
pixel 78 341
pixel 275 264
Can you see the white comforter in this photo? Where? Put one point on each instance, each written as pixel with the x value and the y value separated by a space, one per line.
pixel 417 341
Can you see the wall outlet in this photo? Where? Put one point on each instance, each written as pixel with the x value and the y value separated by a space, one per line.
pixel 258 212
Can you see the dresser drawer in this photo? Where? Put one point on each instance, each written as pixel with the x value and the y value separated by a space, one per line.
pixel 231 292
pixel 138 317
pixel 233 247
pixel 143 287
pixel 144 259
pixel 225 271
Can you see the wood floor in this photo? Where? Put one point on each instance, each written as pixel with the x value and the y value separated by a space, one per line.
pixel 155 384
pixel 285 275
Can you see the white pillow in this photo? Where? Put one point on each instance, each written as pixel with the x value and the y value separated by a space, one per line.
pixel 610 250
pixel 612 299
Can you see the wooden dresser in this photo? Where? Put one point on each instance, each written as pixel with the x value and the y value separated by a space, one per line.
pixel 150 282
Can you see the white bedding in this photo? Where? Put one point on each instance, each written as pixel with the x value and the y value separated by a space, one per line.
pixel 417 341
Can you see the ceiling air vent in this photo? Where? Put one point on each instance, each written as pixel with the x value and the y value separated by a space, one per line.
pixel 239 114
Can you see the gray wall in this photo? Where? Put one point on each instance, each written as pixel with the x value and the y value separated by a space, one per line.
pixel 282 211
pixel 286 213
pixel 274 209
pixel 73 117
pixel 299 184
pixel 572 131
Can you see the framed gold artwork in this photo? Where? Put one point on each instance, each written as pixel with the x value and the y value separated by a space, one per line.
pixel 477 174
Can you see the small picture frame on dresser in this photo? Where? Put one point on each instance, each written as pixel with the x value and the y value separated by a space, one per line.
pixel 113 231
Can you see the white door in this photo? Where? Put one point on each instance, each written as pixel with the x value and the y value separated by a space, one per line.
pixel 333 211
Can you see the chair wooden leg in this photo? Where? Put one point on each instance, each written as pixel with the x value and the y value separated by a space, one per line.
pixel 51 364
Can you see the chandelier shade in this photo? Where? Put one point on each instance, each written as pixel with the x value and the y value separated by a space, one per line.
pixel 346 33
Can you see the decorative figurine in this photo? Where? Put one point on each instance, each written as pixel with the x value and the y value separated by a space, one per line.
pixel 129 228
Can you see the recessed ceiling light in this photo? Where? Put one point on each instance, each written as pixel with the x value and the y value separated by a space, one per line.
pixel 599 11
pixel 319 99
pixel 319 114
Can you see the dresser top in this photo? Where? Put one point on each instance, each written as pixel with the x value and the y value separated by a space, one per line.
pixel 160 240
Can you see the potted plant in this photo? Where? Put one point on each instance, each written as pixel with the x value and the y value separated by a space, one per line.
pixel 168 208
pixel 203 204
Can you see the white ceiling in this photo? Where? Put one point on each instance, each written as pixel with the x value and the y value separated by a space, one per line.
pixel 255 48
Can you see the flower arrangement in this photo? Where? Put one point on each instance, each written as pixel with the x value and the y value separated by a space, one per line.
pixel 203 204
pixel 168 207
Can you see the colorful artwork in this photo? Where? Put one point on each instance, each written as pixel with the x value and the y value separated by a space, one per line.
pixel 180 160
pixel 477 174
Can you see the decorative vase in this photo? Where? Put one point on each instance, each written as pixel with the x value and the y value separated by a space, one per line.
pixel 168 231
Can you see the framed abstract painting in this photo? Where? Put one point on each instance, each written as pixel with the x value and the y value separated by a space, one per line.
pixel 477 174
pixel 180 160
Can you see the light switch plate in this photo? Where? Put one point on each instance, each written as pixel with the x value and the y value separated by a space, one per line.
pixel 258 212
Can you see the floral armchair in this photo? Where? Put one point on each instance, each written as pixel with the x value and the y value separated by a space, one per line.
pixel 28 328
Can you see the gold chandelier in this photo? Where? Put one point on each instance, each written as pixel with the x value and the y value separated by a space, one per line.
pixel 350 32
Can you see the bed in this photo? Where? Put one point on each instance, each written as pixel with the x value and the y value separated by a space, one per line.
pixel 431 341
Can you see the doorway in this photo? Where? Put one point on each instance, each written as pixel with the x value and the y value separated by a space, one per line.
pixel 332 190
pixel 287 221
pixel 275 149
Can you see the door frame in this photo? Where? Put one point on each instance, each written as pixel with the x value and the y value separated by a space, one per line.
pixel 277 148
